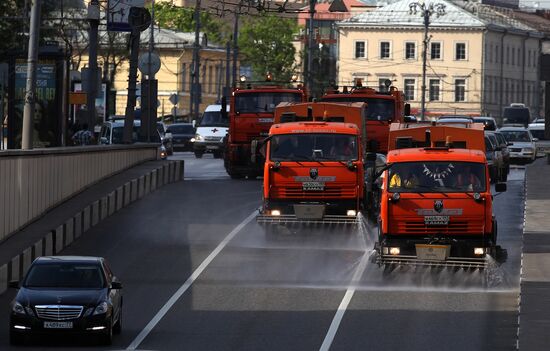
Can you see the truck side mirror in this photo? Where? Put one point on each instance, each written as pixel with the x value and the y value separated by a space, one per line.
pixel 407 109
pixel 500 187
pixel 254 151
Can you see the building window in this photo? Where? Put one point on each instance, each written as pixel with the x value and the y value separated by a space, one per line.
pixel 409 89
pixel 460 51
pixel 514 56
pixel 529 58
pixel 385 50
pixel 434 89
pixel 460 90
pixel 410 51
pixel 497 55
pixel 360 49
pixel 507 55
pixel 435 51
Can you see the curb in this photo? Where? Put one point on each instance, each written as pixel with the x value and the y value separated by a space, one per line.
pixel 57 239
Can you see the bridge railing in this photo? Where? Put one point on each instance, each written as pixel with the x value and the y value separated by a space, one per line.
pixel 33 181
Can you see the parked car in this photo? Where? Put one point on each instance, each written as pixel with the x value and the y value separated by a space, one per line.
pixel 112 133
pixel 537 131
pixel 524 147
pixel 489 122
pixel 494 159
pixel 182 133
pixel 67 294
pixel 501 168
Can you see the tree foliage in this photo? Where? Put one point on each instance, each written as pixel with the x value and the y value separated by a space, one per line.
pixel 182 19
pixel 11 25
pixel 265 43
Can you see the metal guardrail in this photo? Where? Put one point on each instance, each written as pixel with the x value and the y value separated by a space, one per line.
pixel 33 181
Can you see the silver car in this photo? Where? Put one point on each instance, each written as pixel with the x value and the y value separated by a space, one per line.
pixel 523 148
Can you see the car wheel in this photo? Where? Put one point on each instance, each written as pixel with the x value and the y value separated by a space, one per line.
pixel 117 328
pixel 198 154
pixel 16 338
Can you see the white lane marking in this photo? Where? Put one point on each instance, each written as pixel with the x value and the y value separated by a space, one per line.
pixel 329 338
pixel 168 305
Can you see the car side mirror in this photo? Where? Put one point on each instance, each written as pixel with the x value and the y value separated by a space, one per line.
pixel 116 285
pixel 103 140
pixel 14 284
pixel 500 187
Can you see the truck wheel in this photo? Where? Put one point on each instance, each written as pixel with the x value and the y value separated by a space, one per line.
pixel 198 154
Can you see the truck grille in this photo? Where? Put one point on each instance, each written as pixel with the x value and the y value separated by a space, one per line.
pixel 58 312
pixel 453 228
pixel 299 193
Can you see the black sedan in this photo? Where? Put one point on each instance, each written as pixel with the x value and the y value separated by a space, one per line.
pixel 67 295
pixel 182 133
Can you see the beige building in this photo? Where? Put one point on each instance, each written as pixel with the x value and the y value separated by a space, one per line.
pixel 478 60
pixel 176 51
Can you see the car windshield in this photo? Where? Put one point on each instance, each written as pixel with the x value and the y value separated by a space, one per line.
pixel 263 102
pixel 539 134
pixel 314 147
pixel 377 109
pixel 516 135
pixel 214 119
pixel 436 177
pixel 65 275
pixel 181 129
pixel 519 115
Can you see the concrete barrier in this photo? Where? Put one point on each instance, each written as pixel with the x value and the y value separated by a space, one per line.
pixel 62 236
pixel 33 177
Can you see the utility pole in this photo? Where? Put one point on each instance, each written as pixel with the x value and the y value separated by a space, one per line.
pixel 310 48
pixel 30 94
pixel 227 68
pixel 195 85
pixel 426 12
pixel 93 19
pixel 236 45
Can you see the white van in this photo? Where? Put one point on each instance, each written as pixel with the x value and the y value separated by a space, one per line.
pixel 211 131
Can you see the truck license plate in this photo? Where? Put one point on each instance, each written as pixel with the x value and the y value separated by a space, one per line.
pixel 58 325
pixel 313 186
pixel 436 220
pixel 432 252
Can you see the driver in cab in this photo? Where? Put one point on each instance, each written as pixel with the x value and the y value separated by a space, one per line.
pixel 404 179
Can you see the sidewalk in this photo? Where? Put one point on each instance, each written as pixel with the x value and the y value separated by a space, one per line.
pixel 64 223
pixel 535 278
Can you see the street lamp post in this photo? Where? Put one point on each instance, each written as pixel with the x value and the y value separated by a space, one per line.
pixel 426 11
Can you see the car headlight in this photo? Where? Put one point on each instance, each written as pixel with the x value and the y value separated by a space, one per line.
pixel 198 137
pixel 528 149
pixel 18 308
pixel 101 308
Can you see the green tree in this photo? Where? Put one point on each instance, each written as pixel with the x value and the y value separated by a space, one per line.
pixel 170 16
pixel 11 26
pixel 265 43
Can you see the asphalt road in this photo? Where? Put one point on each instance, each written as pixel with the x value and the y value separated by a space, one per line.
pixel 200 274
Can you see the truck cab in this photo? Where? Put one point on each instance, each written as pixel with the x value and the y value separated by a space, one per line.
pixel 436 206
pixel 313 172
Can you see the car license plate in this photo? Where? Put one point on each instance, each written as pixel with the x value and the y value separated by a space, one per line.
pixel 436 220
pixel 313 186
pixel 58 325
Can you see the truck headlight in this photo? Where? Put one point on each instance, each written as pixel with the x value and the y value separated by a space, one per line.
pixel 351 213
pixel 478 251
pixel 275 212
pixel 394 251
pixel 199 137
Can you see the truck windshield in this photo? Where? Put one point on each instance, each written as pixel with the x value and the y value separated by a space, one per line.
pixel 263 102
pixel 314 147
pixel 436 177
pixel 213 119
pixel 377 109
pixel 518 115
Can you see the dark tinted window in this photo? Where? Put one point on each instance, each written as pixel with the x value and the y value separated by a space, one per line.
pixel 263 102
pixel 538 133
pixel 516 135
pixel 181 129
pixel 65 275
pixel 518 115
